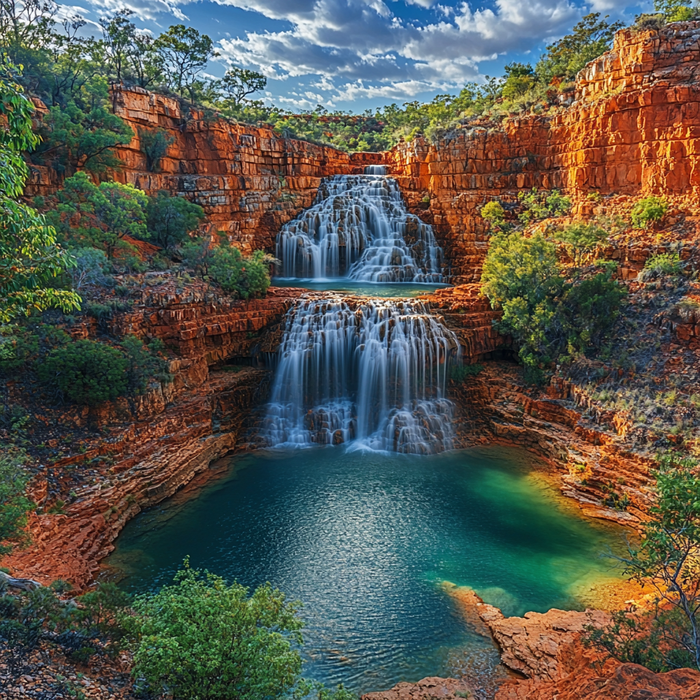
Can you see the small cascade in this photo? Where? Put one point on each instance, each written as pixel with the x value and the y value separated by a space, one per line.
pixel 372 371
pixel 359 228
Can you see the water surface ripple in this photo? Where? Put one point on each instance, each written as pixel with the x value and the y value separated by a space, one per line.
pixel 366 540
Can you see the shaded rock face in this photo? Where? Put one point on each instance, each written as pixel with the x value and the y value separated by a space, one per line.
pixel 153 445
pixel 633 128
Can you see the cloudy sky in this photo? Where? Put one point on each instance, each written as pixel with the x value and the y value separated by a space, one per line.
pixel 358 54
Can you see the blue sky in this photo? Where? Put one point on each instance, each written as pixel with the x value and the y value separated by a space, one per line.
pixel 359 54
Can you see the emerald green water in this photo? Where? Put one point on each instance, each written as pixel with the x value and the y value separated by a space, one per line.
pixel 366 541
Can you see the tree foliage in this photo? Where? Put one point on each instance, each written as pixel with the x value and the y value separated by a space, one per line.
pixel 30 259
pixel 203 639
pixel 14 505
pixel 170 220
pixel 668 559
pixel 246 278
pixel 85 372
pixel 590 38
pixel 99 216
pixel 185 53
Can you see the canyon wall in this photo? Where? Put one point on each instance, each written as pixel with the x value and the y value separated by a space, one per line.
pixel 632 129
pixel 249 180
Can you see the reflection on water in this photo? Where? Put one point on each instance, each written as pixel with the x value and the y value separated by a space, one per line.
pixel 367 540
pixel 368 289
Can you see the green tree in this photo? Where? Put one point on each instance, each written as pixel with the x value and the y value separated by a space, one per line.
pixel 142 366
pixel 172 219
pixel 521 276
pixel 676 10
pixel 202 639
pixel 238 83
pixel 591 38
pixel 519 79
pixel 30 259
pixel 246 278
pixel 185 53
pixel 119 37
pixel 582 241
pixel 154 144
pixel 82 134
pixel 85 372
pixel 99 216
pixel 668 559
pixel 648 211
pixel 14 505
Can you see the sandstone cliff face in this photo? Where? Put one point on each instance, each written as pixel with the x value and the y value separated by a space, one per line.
pixel 633 128
pixel 150 446
pixel 248 180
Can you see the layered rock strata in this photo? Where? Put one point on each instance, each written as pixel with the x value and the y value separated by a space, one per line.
pixel 154 444
pixel 249 180
pixel 633 128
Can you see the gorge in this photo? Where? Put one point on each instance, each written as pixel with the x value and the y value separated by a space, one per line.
pixel 406 442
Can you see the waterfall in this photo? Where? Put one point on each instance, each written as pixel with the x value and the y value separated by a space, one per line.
pixel 359 228
pixel 372 371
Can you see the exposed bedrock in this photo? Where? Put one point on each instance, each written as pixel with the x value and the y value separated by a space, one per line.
pixel 632 127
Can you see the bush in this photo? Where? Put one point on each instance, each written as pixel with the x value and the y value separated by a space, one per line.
pixel 582 241
pixel 155 145
pixel 546 314
pixel 647 211
pixel 666 559
pixel 91 267
pixel 86 372
pixel 143 364
pixel 543 205
pixel 171 219
pixel 460 373
pixel 14 505
pixel 661 265
pixel 495 214
pixel 246 278
pixel 202 638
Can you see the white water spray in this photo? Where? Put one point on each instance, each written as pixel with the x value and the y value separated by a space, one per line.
pixel 372 371
pixel 359 228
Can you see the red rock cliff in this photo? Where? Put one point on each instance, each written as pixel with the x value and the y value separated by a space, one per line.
pixel 633 128
pixel 249 180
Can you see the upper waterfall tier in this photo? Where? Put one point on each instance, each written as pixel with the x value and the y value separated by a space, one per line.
pixel 370 370
pixel 359 227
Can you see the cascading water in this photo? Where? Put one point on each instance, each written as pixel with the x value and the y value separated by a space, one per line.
pixel 359 228
pixel 372 371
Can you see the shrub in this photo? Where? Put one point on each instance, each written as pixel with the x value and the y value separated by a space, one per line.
pixel 202 638
pixel 460 373
pixel 676 10
pixel 172 219
pixel 581 241
pixel 14 505
pixel 546 314
pixel 143 364
pixel 661 265
pixel 86 372
pixel 543 205
pixel 246 278
pixel 154 144
pixel 495 214
pixel 91 267
pixel 647 211
pixel 667 560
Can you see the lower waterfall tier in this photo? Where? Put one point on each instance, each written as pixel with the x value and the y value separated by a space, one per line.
pixel 368 371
